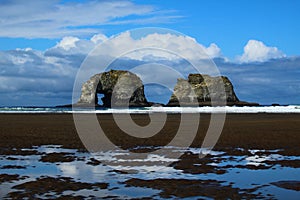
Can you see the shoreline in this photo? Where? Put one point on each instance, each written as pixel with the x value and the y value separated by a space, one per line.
pixel 148 110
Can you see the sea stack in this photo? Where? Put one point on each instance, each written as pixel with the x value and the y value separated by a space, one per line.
pixel 120 89
pixel 200 90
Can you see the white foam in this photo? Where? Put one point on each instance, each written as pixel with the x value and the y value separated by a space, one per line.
pixel 226 109
pixel 146 110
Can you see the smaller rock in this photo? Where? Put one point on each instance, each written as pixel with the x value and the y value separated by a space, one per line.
pixel 200 90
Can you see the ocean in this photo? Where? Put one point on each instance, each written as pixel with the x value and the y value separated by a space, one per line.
pixel 145 110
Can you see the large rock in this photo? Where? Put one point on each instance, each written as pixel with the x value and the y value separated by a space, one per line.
pixel 123 88
pixel 120 89
pixel 200 90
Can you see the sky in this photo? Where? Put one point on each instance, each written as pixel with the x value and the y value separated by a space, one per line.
pixel 43 43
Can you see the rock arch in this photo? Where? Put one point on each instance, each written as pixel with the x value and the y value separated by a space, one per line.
pixel 119 87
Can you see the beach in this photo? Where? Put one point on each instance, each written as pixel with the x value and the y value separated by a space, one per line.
pixel 250 131
pixel 258 136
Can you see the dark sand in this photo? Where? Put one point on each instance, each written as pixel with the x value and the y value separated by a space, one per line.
pixel 248 131
pixel 241 133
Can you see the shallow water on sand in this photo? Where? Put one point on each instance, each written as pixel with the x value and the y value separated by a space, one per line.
pixel 240 173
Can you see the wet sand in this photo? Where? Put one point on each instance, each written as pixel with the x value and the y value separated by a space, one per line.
pixel 241 134
pixel 248 131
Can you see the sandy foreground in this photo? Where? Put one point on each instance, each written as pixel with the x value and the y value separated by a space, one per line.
pixel 255 131
pixel 241 134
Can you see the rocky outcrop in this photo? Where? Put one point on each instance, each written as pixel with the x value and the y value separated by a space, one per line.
pixel 200 90
pixel 120 89
pixel 125 89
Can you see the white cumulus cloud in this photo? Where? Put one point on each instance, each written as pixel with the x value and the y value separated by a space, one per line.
pixel 67 43
pixel 186 47
pixel 73 45
pixel 213 51
pixel 99 38
pixel 257 51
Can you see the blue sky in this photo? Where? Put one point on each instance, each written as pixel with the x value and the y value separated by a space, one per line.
pixel 258 37
pixel 229 23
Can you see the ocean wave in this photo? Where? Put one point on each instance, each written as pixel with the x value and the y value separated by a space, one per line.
pixel 145 110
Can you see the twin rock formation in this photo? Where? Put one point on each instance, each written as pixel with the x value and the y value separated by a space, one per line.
pixel 125 89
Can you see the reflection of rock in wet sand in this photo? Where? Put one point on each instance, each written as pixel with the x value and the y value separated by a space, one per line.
pixel 191 176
